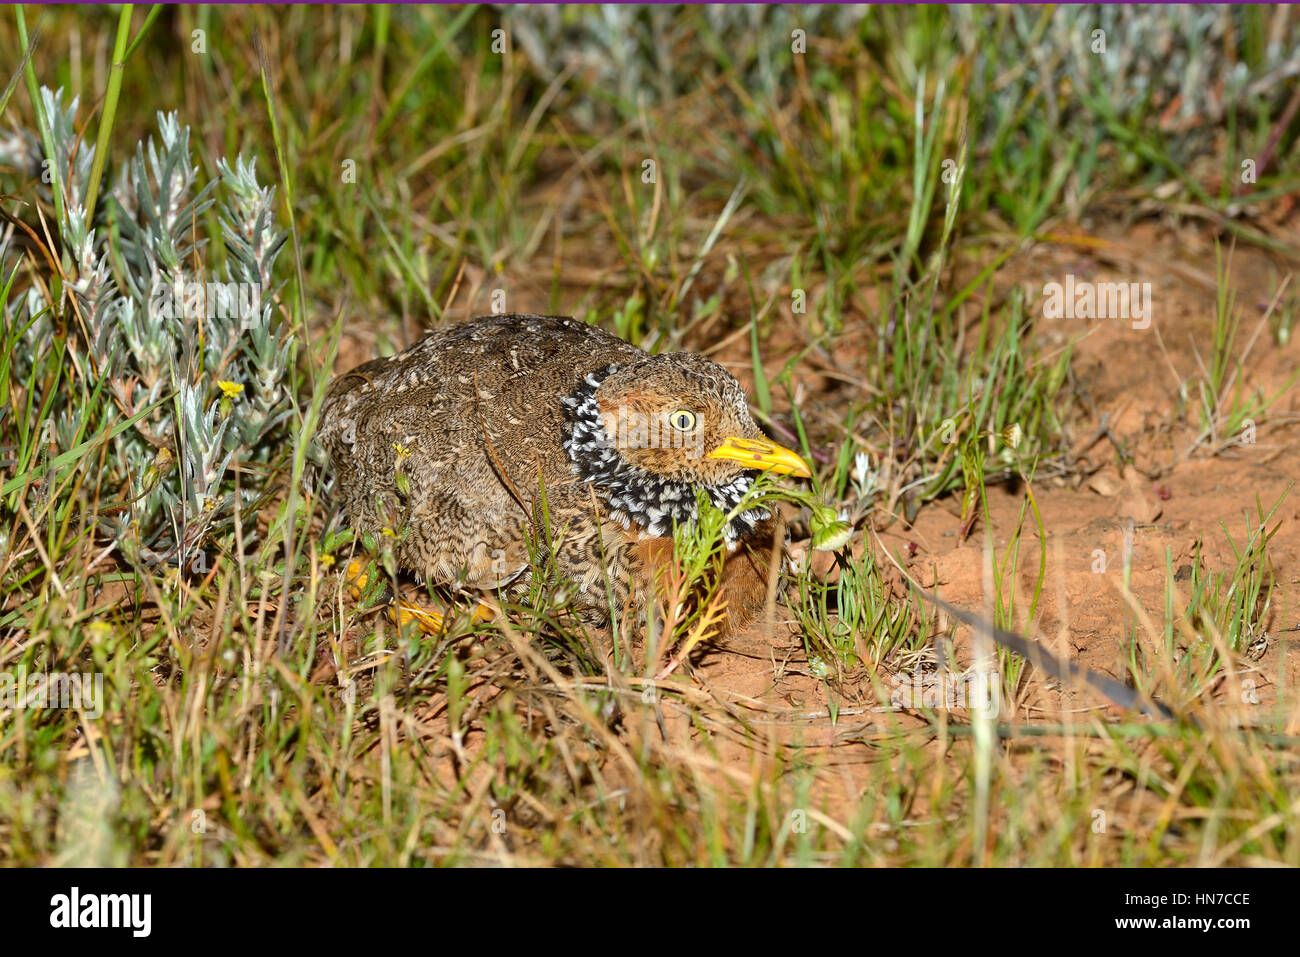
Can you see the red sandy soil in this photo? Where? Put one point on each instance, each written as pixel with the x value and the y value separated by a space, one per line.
pixel 1172 498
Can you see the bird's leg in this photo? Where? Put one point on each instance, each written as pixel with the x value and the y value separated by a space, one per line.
pixel 590 553
pixel 366 588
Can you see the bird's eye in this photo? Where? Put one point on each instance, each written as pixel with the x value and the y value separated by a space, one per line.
pixel 683 420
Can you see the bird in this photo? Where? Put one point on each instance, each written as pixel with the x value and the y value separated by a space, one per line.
pixel 485 432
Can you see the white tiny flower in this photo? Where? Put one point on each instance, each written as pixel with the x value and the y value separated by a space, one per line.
pixel 864 478
pixel 861 461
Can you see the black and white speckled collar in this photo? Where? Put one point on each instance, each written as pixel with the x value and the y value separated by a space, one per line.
pixel 633 495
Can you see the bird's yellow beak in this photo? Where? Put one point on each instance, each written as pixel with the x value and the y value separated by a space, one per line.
pixel 762 454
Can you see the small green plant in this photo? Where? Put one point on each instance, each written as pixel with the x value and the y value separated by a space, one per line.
pixel 1228 611
pixel 172 326
pixel 1229 408
pixel 853 618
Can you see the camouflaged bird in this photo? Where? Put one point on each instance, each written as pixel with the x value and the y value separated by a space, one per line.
pixel 450 444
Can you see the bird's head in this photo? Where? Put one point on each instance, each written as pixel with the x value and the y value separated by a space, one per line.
pixel 650 433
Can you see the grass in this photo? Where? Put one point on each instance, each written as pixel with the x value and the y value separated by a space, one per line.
pixel 801 224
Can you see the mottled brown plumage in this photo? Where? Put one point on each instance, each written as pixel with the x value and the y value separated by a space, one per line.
pixel 450 444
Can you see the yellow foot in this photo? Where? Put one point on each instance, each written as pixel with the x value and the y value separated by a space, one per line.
pixel 400 612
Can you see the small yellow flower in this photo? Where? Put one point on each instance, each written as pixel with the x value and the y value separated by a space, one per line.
pixel 403 453
pixel 229 392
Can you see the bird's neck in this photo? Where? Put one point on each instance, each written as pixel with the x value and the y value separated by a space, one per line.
pixel 634 496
